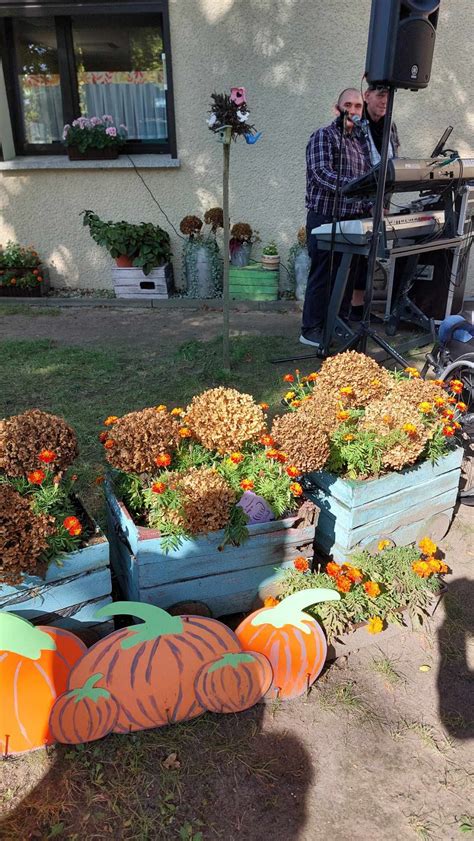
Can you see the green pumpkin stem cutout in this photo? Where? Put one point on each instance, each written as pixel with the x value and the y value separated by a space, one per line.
pixel 89 691
pixel 156 621
pixel 18 636
pixel 290 610
pixel 233 660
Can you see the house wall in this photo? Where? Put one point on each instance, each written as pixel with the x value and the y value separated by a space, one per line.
pixel 293 56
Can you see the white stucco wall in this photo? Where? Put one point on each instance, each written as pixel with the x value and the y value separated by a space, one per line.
pixel 293 56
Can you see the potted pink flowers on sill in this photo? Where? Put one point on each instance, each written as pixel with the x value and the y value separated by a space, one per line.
pixel 94 138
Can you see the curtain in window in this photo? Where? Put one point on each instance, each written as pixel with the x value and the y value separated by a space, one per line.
pixel 42 108
pixel 142 108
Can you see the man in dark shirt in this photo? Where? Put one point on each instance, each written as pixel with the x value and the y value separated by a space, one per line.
pixel 375 107
pixel 322 164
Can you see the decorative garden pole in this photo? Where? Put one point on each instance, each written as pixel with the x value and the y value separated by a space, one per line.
pixel 228 120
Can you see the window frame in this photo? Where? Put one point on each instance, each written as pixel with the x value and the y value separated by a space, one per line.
pixel 62 14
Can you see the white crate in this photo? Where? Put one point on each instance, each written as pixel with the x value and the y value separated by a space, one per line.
pixel 132 283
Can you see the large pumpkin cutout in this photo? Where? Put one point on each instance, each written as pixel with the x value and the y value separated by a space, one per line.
pixel 150 668
pixel 293 642
pixel 35 663
pixel 83 715
pixel 234 682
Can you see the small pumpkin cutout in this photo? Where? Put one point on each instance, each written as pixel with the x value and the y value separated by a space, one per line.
pixel 293 642
pixel 35 663
pixel 150 668
pixel 234 682
pixel 83 715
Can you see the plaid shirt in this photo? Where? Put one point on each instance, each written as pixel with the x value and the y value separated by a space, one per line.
pixel 322 162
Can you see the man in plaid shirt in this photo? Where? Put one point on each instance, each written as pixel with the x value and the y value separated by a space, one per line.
pixel 322 163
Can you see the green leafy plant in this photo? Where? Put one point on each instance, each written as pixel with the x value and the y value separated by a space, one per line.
pixel 20 266
pixel 146 244
pixel 271 249
pixel 94 133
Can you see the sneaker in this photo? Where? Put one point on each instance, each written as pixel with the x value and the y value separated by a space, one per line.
pixel 312 337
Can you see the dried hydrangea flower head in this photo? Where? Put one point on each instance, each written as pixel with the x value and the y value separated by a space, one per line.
pixel 415 391
pixel 23 536
pixel 394 414
pixel 321 408
pixel 224 419
pixel 301 236
pixel 368 380
pixel 190 225
pixel 139 437
pixel 241 231
pixel 214 217
pixel 23 437
pixel 207 500
pixel 303 439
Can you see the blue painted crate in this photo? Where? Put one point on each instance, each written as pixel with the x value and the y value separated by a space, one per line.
pixel 227 580
pixel 403 506
pixel 70 594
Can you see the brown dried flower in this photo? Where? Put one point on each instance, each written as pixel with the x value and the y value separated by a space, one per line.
pixel 206 497
pixel 301 235
pixel 415 391
pixel 23 536
pixel 214 217
pixel 368 380
pixel 23 437
pixel 394 414
pixel 190 225
pixel 303 440
pixel 224 419
pixel 241 231
pixel 139 437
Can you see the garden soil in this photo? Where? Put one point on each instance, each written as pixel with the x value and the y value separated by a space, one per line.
pixel 382 746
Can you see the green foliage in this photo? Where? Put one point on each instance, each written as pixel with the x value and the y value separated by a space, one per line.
pixel 94 133
pixel 269 477
pixel 15 260
pixel 362 455
pixel 191 248
pixel 436 447
pixel 271 249
pixel 236 531
pixel 400 589
pixel 147 244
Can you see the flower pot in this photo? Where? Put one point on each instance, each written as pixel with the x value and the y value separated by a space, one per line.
pixel 253 284
pixel 270 262
pixel 302 266
pixel 124 261
pixel 16 291
pixel 199 264
pixel 110 153
pixel 240 256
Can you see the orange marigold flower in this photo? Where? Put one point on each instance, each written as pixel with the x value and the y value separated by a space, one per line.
pixel 439 382
pixel 333 569
pixel 312 377
pixel 372 589
pixel 448 431
pixel 383 544
pixel 158 487
pixel 282 457
pixel 110 420
pixel 353 574
pixel 343 415
pixel 272 453
pixel 295 404
pixel 421 569
pixel 448 414
pixel 289 395
pixel 267 440
pixel 270 601
pixel 425 407
pixel 346 391
pixel 461 406
pixel 163 460
pixel 36 477
pixel 452 401
pixel 301 564
pixel 265 406
pixel 288 378
pixel 293 471
pixel 433 564
pixel 75 531
pixel 409 428
pixel 236 458
pixel 456 425
pixel 71 523
pixel 387 419
pixel 439 401
pixel 443 568
pixel 349 437
pixel 177 411
pixel 47 456
pixel 343 583
pixel 103 436
pixel 456 386
pixel 184 432
pixel 109 443
pixel 375 383
pixel 427 546
pixel 246 485
pixel 296 489
pixel 99 480
pixel 412 372
pixel 160 408
pixel 375 625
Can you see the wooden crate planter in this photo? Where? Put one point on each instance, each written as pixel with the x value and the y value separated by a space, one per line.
pixel 70 594
pixel 132 283
pixel 226 580
pixel 402 506
pixel 252 283
pixel 38 291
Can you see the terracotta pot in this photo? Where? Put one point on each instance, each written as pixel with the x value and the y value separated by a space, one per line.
pixel 124 261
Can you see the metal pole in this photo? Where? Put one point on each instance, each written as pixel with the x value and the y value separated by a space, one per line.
pixel 377 217
pixel 225 282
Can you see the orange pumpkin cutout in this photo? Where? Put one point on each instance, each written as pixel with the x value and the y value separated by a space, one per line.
pixel 150 668
pixel 35 663
pixel 83 715
pixel 233 683
pixel 293 642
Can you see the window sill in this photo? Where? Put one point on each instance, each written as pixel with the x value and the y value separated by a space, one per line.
pixel 35 162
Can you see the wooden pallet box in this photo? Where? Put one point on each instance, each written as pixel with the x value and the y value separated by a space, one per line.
pixel 132 283
pixel 252 283
pixel 227 580
pixel 70 593
pixel 402 506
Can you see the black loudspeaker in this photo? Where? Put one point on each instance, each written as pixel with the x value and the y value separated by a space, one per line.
pixel 401 42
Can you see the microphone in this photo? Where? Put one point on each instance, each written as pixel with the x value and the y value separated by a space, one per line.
pixel 359 123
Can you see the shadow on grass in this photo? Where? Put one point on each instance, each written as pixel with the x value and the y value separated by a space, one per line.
pixel 234 781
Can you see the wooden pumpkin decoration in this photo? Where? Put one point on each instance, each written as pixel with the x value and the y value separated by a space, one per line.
pixel 234 682
pixel 150 668
pixel 293 642
pixel 83 715
pixel 35 663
